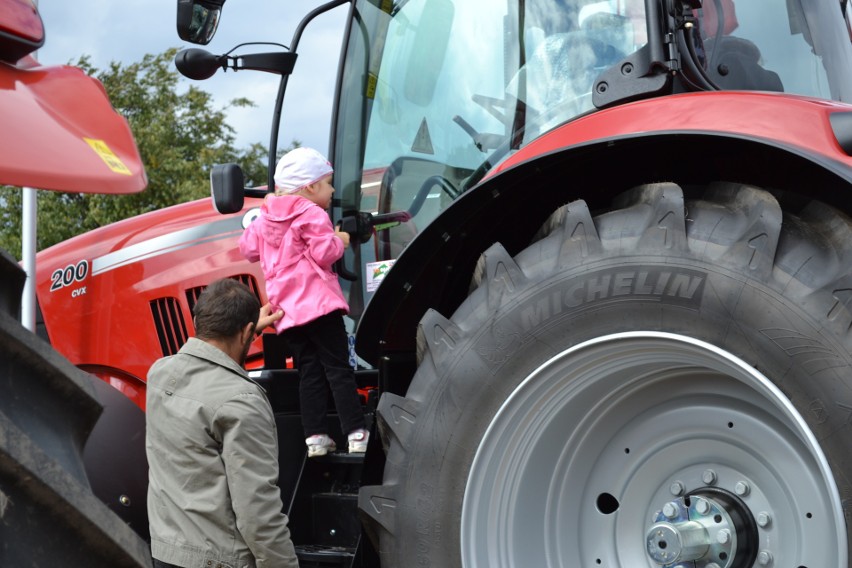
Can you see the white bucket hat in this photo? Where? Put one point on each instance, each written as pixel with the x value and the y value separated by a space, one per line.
pixel 299 168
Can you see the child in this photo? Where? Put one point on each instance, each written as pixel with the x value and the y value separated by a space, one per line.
pixel 296 245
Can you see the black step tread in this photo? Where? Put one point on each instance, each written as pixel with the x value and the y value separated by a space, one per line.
pixel 341 494
pixel 319 552
pixel 340 457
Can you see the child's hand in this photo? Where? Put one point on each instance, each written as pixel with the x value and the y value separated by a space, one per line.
pixel 342 235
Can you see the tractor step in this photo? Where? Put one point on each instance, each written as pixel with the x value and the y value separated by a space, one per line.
pixel 316 556
pixel 340 457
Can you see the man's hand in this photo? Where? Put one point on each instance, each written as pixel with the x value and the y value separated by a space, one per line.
pixel 267 318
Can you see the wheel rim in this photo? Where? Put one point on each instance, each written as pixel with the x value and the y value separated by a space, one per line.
pixel 592 450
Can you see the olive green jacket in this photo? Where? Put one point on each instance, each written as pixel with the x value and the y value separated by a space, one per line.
pixel 212 446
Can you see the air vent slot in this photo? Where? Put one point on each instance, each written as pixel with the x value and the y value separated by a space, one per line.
pixel 171 328
pixel 193 293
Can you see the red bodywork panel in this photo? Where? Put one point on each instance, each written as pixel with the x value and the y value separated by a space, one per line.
pixel 21 29
pixel 793 121
pixel 60 132
pixel 116 299
pixel 21 20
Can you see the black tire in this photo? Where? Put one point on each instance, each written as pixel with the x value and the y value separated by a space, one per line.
pixel 620 372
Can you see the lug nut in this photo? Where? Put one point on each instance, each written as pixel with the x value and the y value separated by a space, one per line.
pixel 742 488
pixel 763 519
pixel 670 510
pixel 702 506
pixel 764 558
pixel 708 477
pixel 723 536
pixel 676 488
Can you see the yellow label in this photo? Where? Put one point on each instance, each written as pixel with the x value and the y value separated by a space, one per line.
pixel 372 80
pixel 108 156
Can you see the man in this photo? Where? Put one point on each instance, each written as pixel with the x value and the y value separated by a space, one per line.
pixel 212 446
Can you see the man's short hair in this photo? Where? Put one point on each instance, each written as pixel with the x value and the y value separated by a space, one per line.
pixel 224 308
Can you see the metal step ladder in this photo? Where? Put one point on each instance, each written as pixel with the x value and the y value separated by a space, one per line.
pixel 320 494
pixel 327 494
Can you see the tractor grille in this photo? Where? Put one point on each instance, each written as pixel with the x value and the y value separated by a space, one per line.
pixel 169 320
pixel 171 328
pixel 193 293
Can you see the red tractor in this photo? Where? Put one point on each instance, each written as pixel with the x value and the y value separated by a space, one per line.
pixel 600 286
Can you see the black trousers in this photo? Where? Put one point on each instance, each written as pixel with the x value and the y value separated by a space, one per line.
pixel 158 564
pixel 321 353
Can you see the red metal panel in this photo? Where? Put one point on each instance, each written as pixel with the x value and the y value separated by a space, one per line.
pixel 60 132
pixel 787 119
pixel 100 293
pixel 20 27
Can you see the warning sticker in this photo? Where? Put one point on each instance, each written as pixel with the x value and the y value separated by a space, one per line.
pixel 108 156
pixel 423 141
pixel 372 81
pixel 376 272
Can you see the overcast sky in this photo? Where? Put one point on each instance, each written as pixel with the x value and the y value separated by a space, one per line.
pixel 126 30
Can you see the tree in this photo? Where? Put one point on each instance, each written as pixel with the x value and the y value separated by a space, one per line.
pixel 180 136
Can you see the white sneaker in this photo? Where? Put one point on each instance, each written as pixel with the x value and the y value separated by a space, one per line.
pixel 358 441
pixel 319 445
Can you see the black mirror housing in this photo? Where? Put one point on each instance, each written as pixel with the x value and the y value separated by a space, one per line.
pixel 197 64
pixel 227 188
pixel 197 20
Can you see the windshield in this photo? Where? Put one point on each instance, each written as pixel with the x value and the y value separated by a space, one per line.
pixel 433 92
pixel 794 46
pixel 431 89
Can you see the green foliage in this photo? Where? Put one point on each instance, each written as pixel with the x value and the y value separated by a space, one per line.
pixel 180 136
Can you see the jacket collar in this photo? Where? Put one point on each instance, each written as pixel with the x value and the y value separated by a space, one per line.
pixel 203 350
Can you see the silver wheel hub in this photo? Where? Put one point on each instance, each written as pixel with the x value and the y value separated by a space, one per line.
pixel 696 528
pixel 648 450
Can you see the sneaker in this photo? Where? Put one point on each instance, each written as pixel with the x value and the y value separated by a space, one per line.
pixel 358 441
pixel 319 445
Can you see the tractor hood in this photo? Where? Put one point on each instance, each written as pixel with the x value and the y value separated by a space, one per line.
pixel 131 285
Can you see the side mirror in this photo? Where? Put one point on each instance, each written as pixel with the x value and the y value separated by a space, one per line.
pixel 227 188
pixel 198 64
pixel 197 20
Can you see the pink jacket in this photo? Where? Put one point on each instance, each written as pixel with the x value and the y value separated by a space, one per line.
pixel 294 241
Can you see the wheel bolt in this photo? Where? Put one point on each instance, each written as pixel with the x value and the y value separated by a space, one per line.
pixel 708 477
pixel 763 519
pixel 676 488
pixel 702 506
pixel 723 536
pixel 670 510
pixel 742 488
pixel 764 558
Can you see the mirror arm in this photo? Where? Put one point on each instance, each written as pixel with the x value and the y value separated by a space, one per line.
pixel 282 86
pixel 277 62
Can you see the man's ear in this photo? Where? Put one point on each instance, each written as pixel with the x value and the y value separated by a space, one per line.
pixel 247 331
